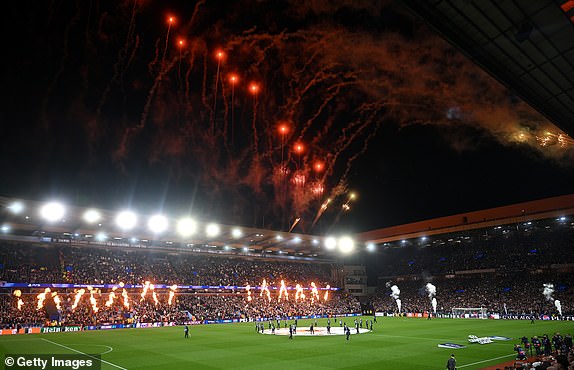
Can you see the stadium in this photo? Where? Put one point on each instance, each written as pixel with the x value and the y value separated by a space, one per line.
pixel 76 272
pixel 86 284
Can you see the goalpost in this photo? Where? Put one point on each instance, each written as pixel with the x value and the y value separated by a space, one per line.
pixel 470 312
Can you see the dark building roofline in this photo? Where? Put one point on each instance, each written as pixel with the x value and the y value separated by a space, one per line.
pixel 521 212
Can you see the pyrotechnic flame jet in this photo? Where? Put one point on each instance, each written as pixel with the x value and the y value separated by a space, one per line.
pixel 41 298
pixel 93 300
pixel 126 300
pixel 144 291
pixel 153 294
pixel 111 297
pixel 314 292
pixel 18 293
pixel 283 290
pixel 172 290
pixel 79 295
pixel 248 290
pixel 265 289
pixel 57 300
pixel 298 292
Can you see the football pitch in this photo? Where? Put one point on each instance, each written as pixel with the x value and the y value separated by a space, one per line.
pixel 395 343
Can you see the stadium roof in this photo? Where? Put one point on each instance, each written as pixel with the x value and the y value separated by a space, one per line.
pixel 527 45
pixel 555 207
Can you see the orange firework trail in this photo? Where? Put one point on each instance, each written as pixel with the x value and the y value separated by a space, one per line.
pixel 335 101
pixel 180 44
pixel 119 67
pixel 170 21
pixel 254 90
pixel 321 210
pixel 326 296
pixel 219 56
pixel 550 139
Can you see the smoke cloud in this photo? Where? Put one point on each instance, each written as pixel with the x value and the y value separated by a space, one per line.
pixel 547 291
pixel 558 306
pixel 431 290
pixel 335 79
pixel 395 293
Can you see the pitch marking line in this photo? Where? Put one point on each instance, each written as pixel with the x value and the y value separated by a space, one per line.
pixel 110 349
pixel 85 354
pixel 490 359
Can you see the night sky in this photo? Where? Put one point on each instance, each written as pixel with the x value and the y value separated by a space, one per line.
pixel 102 106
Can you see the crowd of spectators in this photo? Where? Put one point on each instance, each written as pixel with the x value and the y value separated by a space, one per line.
pixel 28 263
pixel 503 269
pixel 185 307
pixel 37 264
pixel 551 352
pixel 516 247
pixel 508 295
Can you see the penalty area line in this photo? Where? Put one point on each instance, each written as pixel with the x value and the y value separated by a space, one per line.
pixel 490 359
pixel 85 354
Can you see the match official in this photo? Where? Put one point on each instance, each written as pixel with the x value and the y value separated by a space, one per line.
pixel 451 363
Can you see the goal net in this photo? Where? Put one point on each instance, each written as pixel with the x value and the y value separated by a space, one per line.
pixel 470 312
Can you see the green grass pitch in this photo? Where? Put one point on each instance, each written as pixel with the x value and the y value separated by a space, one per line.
pixel 395 343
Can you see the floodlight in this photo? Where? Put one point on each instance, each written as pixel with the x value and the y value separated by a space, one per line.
pixel 92 216
pixel 212 230
pixel 126 220
pixel 157 224
pixel 101 237
pixel 52 211
pixel 346 244
pixel 236 233
pixel 16 207
pixel 5 228
pixel 296 239
pixel 371 247
pixel 186 227
pixel 330 243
